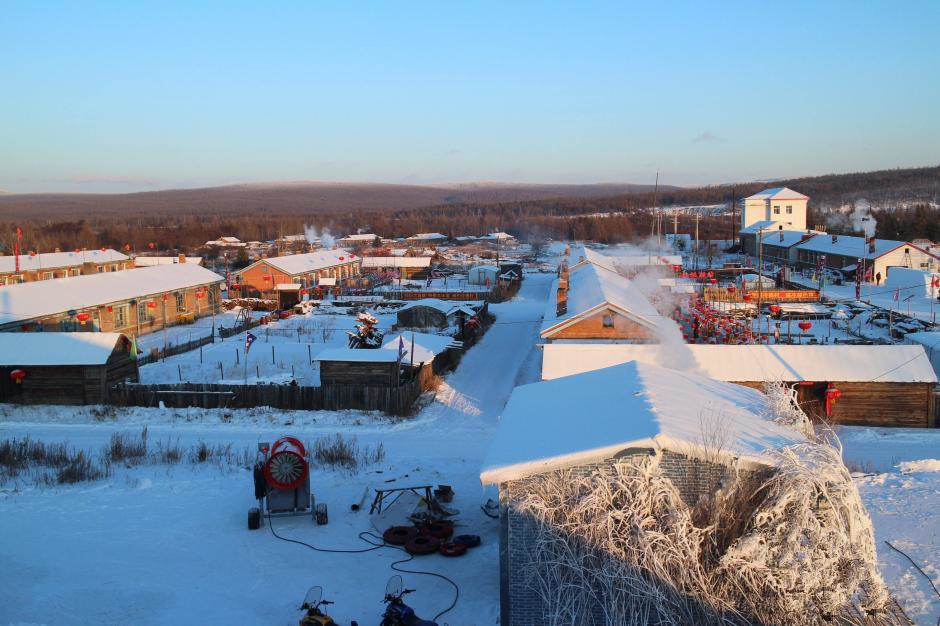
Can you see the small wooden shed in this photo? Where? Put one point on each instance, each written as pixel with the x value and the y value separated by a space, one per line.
pixel 433 313
pixel 63 368
pixel 365 367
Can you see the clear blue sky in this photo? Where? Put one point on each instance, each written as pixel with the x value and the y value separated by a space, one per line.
pixel 122 96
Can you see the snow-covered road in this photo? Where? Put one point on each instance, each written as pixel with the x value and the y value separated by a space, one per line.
pixel 159 544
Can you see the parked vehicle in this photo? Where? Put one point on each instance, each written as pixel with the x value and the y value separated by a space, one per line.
pixel 397 613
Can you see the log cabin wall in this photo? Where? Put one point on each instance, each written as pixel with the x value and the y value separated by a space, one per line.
pixel 593 328
pixel 868 403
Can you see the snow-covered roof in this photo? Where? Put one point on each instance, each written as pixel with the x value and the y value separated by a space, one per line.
pixel 31 349
pixel 790 237
pixel 592 416
pixel 148 261
pixel 762 225
pixel 753 363
pixel 396 261
pixel 850 246
pixel 778 193
pixel 445 307
pixel 295 264
pixel 359 355
pixel 361 237
pixel 498 235
pixel 26 301
pixel 292 238
pixel 428 236
pixel 58 260
pixel 484 268
pixel 427 346
pixel 288 287
pixel 592 286
pixel 326 281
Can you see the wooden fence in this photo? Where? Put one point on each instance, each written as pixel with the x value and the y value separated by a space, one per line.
pixel 179 348
pixel 389 399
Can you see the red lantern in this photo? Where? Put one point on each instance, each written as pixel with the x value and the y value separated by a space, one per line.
pixel 774 308
pixel 200 294
pixel 746 297
pixel 711 274
pixel 805 326
pixel 83 317
pixel 17 376
pixel 342 258
pixel 832 394
pixel 104 249
pixel 352 256
pixel 151 304
pixel 713 281
pixel 685 274
pixel 731 289
pixel 110 308
pixel 152 245
pixel 77 250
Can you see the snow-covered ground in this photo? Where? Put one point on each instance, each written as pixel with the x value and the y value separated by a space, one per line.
pixel 284 350
pixel 158 544
pixel 899 479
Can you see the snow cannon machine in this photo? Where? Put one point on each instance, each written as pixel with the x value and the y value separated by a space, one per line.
pixel 282 481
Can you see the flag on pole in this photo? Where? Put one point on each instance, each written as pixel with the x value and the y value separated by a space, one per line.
pixel 401 349
pixel 249 339
pixel 897 294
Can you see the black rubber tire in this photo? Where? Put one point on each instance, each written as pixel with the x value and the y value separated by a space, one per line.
pixel 441 530
pixel 453 549
pixel 254 518
pixel 471 541
pixel 423 544
pixel 399 535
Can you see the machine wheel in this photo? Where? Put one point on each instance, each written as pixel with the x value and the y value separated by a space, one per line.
pixel 399 535
pixel 423 544
pixel 254 518
pixel 453 549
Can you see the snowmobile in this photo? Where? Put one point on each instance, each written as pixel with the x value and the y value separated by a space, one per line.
pixel 397 613
pixel 312 603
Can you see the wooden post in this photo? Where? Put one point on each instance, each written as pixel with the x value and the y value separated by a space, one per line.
pixel 221 372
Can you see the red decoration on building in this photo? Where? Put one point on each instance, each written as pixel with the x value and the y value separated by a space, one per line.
pixel 17 376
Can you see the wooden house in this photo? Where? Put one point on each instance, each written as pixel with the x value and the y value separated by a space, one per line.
pixel 877 385
pixel 133 302
pixel 433 313
pixel 50 265
pixel 309 270
pixel 63 368
pixel 593 301
pixel 397 266
pixel 588 424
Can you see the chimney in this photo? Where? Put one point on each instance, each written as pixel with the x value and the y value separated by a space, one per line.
pixel 835 238
pixel 561 305
pixel 181 258
pixel 780 230
pixel 871 245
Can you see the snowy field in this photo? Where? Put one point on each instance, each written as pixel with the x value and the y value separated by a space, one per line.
pixel 898 475
pixel 168 544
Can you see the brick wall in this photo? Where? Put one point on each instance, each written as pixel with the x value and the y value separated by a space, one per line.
pixel 520 604
pixel 593 328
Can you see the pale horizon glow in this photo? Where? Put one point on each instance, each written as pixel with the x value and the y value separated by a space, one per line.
pixel 110 97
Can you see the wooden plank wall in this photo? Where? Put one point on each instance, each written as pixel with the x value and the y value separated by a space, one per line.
pixel 869 403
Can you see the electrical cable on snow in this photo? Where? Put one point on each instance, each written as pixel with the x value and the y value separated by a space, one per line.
pixel 366 536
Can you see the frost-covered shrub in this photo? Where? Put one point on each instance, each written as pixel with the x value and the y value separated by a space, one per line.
pixel 791 544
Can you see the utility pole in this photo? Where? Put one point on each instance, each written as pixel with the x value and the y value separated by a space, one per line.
pixel 733 208
pixel 760 278
pixel 698 216
pixel 656 207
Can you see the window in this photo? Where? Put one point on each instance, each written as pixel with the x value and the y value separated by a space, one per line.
pixel 608 321
pixel 789 210
pixel 776 210
pixel 141 312
pixel 47 275
pixel 101 269
pixel 120 316
pixel 75 271
pixel 180 300
pixel 264 269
